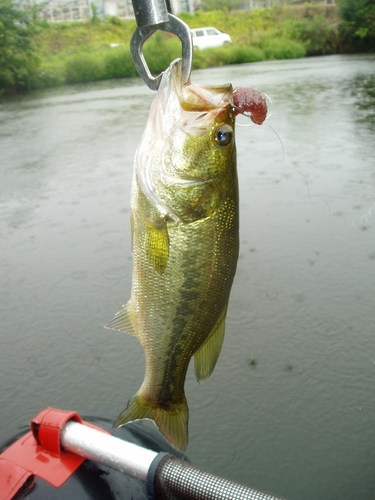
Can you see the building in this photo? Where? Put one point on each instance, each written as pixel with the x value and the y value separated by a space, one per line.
pixel 78 10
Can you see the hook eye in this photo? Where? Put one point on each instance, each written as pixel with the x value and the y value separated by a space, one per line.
pixel 173 25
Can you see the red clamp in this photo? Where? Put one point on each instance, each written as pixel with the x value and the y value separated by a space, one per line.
pixel 38 453
pixel 46 427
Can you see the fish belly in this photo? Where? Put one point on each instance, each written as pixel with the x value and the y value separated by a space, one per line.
pixel 178 311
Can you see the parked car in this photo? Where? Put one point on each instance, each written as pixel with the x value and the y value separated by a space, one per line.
pixel 203 38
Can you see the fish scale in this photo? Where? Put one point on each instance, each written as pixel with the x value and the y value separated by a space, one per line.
pixel 185 238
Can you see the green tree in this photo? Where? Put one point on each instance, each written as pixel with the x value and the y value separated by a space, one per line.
pixel 316 34
pixel 95 19
pixel 18 59
pixel 357 28
pixel 222 4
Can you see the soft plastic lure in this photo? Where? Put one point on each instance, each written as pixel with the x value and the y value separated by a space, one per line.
pixel 250 102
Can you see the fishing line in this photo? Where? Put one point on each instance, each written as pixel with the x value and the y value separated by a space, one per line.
pixel 298 172
pixel 365 218
pixel 249 123
pixel 287 166
pixel 270 113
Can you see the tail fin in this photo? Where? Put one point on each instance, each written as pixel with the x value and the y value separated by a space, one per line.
pixel 173 424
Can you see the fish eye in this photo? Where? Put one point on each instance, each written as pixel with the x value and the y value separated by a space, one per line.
pixel 223 135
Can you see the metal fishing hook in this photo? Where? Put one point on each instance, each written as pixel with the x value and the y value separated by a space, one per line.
pixel 151 16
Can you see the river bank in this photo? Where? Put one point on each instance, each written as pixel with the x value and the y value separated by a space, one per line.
pixel 98 49
pixel 78 52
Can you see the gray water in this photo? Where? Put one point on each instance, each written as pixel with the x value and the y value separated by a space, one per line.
pixel 290 407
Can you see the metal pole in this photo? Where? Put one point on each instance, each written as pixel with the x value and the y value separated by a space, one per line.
pixel 150 12
pixel 107 449
pixel 165 475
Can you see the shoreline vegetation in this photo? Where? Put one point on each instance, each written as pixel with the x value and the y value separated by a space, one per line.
pixel 53 54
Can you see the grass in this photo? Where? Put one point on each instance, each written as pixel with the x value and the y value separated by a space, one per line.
pixel 80 52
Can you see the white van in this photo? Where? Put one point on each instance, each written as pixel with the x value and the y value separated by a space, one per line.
pixel 203 38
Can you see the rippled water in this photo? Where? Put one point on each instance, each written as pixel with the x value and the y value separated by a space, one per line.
pixel 290 407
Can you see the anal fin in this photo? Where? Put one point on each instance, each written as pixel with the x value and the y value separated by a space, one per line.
pixel 206 356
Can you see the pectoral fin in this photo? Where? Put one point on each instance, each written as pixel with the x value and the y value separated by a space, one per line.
pixel 157 246
pixel 123 321
pixel 206 356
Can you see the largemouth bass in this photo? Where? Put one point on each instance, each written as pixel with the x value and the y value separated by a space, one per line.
pixel 185 240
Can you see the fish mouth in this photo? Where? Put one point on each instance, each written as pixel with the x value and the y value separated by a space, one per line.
pixel 200 100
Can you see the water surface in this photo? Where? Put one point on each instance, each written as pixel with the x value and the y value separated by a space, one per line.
pixel 290 407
